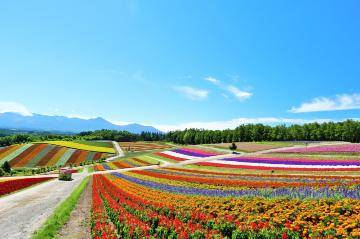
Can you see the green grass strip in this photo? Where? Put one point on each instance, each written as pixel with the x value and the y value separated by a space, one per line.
pixel 61 214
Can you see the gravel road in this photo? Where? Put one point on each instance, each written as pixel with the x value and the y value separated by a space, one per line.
pixel 24 212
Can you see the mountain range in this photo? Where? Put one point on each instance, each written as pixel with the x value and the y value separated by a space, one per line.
pixel 10 120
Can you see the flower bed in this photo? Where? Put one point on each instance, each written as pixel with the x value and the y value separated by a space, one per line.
pixel 342 148
pixel 10 186
pixel 177 203
pixel 141 146
pixel 34 155
pixel 264 163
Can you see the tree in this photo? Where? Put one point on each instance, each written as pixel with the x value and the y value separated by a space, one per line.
pixel 233 146
pixel 6 167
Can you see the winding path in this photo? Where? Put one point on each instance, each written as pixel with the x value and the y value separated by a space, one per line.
pixel 119 152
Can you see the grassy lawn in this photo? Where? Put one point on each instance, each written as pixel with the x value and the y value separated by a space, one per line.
pixel 61 214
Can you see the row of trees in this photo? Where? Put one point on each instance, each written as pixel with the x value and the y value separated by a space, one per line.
pixel 30 137
pixel 348 130
pixel 342 131
pixel 120 136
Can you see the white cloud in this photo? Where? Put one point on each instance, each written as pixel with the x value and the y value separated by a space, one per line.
pixel 14 107
pixel 192 93
pixel 231 124
pixel 239 94
pixel 212 80
pixel 340 102
pixel 121 122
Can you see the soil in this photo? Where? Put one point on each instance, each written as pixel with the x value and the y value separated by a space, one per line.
pixel 78 226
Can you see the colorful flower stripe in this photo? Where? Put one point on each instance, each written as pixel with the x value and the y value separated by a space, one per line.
pixel 230 179
pixel 343 148
pixel 139 146
pixel 100 226
pixel 294 192
pixel 218 217
pixel 22 159
pixel 340 164
pixel 164 154
pixel 65 157
pixel 14 153
pixel 295 161
pixel 223 182
pixel 127 163
pixel 225 164
pixel 193 152
pixel 55 158
pixel 49 156
pixel 10 186
pixel 37 158
pixel 5 151
pixel 34 155
pixel 140 220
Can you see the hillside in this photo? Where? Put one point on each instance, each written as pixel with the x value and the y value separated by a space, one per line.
pixel 45 154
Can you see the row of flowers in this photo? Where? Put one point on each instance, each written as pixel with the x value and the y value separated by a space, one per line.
pixel 264 162
pixel 340 148
pixel 136 210
pixel 127 163
pixel 13 185
pixel 268 190
pixel 32 155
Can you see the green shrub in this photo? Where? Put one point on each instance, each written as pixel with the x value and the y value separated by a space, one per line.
pixel 65 176
pixel 2 172
pixel 6 167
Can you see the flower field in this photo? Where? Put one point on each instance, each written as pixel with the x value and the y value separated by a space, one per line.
pixel 184 203
pixel 33 155
pixel 142 146
pixel 186 154
pixel 84 145
pixel 13 185
pixel 263 162
pixel 125 163
pixel 256 146
pixel 342 148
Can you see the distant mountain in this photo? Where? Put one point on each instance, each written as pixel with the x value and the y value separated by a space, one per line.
pixel 11 120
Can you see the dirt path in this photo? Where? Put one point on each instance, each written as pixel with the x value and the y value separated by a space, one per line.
pixel 24 212
pixel 78 226
pixel 119 152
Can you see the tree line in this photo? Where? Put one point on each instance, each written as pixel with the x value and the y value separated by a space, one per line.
pixel 113 135
pixel 348 130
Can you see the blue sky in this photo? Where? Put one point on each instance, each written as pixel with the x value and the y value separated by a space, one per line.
pixel 172 64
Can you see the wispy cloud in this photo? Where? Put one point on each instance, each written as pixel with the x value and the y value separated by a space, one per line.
pixel 192 93
pixel 339 102
pixel 240 95
pixel 231 124
pixel 14 107
pixel 212 80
